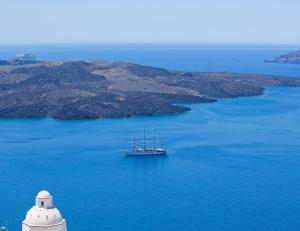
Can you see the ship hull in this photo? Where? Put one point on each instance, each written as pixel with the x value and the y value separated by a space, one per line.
pixel 145 153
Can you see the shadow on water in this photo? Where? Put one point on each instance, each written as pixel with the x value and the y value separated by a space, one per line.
pixel 145 162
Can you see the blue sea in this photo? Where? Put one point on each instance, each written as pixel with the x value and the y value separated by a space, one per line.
pixel 232 165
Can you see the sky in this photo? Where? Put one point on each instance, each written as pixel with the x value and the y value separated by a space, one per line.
pixel 150 21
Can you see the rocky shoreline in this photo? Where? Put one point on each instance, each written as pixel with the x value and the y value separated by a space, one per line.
pixel 78 90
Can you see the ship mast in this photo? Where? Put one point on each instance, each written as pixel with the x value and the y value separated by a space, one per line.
pixel 154 140
pixel 134 140
pixel 144 139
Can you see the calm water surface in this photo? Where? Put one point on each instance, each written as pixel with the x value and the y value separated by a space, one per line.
pixel 232 165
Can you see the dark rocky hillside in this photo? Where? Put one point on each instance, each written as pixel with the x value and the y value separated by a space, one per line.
pixel 293 57
pixel 89 90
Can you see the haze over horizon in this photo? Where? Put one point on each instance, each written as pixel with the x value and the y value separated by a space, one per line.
pixel 142 21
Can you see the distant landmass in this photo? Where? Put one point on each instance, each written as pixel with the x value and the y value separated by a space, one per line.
pixel 98 89
pixel 292 57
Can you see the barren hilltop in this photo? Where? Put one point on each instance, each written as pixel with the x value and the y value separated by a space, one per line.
pixel 98 89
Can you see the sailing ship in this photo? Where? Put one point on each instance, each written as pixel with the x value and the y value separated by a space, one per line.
pixel 145 150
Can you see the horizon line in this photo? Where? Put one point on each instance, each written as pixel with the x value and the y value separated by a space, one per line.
pixel 148 43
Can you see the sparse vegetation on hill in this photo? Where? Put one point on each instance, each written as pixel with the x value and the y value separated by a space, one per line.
pixel 90 90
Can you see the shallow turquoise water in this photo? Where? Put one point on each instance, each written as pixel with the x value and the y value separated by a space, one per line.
pixel 232 165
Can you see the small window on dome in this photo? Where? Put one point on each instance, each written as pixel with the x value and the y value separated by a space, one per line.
pixel 42 204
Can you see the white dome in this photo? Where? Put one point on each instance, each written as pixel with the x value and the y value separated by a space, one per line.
pixel 43 194
pixel 43 217
pixel 44 213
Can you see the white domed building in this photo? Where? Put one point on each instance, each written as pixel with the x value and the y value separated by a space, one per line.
pixel 44 216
